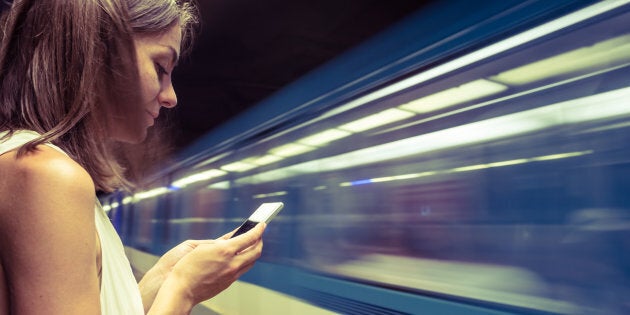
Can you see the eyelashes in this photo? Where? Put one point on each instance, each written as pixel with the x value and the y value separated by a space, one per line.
pixel 161 71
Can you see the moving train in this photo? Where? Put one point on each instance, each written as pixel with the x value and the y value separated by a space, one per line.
pixel 472 159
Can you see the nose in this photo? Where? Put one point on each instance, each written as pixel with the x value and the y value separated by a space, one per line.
pixel 167 96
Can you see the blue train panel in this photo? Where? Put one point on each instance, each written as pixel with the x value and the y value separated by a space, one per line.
pixel 474 159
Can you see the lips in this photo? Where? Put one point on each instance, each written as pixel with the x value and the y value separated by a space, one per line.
pixel 151 117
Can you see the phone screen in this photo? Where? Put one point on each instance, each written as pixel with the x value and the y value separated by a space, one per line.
pixel 264 213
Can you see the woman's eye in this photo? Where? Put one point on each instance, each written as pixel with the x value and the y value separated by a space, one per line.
pixel 160 70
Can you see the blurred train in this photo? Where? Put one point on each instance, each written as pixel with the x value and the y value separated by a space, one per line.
pixel 473 159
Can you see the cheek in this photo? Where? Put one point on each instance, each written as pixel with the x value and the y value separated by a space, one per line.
pixel 149 84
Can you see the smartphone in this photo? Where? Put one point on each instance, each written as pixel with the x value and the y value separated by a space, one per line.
pixel 264 213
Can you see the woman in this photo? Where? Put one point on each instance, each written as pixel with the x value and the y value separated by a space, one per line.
pixel 75 78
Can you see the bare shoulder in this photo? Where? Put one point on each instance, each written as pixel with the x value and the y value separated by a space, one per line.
pixel 47 232
pixel 42 184
pixel 43 175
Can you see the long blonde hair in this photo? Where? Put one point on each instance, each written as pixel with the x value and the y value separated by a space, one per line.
pixel 63 62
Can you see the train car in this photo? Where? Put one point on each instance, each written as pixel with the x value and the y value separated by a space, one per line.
pixel 473 159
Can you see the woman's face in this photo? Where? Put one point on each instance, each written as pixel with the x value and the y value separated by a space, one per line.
pixel 157 56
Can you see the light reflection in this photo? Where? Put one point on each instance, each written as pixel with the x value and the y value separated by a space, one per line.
pixel 609 53
pixel 465 168
pixel 291 149
pixel 560 156
pixel 263 160
pixel 376 120
pixel 198 177
pixel 150 193
pixel 324 137
pixel 470 168
pixel 220 185
pixel 238 167
pixel 453 96
pixel 273 194
pixel 508 163
pixel 401 177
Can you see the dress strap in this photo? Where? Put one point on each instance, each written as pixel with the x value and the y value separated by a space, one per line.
pixel 20 138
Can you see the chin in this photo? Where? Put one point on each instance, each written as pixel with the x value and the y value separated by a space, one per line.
pixel 131 136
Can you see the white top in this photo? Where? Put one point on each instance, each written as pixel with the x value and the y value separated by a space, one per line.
pixel 119 289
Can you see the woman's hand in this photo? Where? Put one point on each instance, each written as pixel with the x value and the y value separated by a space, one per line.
pixel 195 271
pixel 170 258
pixel 153 279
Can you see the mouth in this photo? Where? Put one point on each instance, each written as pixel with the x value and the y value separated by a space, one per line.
pixel 151 118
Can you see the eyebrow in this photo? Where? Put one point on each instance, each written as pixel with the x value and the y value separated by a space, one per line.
pixel 174 53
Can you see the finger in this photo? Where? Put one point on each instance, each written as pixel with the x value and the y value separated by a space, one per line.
pixel 228 235
pixel 248 238
pixel 194 243
pixel 250 254
pixel 257 246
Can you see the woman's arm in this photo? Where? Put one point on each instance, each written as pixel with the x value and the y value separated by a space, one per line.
pixel 195 271
pixel 47 234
